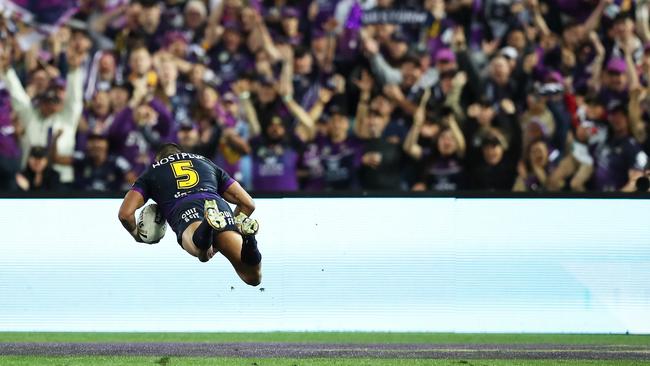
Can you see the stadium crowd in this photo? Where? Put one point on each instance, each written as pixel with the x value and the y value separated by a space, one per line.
pixel 532 95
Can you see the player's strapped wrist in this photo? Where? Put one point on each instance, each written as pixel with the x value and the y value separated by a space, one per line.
pixel 239 219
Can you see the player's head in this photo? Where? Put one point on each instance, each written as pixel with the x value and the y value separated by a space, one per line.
pixel 167 149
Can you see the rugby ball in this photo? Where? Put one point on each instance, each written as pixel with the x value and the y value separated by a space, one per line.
pixel 151 224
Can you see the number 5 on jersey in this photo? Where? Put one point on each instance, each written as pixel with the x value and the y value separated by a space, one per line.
pixel 186 177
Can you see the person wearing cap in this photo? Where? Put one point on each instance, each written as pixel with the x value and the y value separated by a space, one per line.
pixel 511 54
pixel 495 171
pixel 619 161
pixel 38 174
pixel 56 108
pixel 615 81
pixel 290 22
pixel 438 146
pixel 537 112
pixel 483 117
pixel 339 151
pixel 397 47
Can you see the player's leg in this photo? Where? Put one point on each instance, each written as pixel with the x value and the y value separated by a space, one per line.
pixel 243 254
pixel 188 244
pixel 199 236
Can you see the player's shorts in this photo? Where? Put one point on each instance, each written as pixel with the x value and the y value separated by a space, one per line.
pixel 192 210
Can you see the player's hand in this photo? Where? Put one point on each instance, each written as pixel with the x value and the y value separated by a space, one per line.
pixel 136 235
pixel 239 219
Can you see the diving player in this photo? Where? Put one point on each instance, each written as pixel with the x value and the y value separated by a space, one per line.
pixel 192 192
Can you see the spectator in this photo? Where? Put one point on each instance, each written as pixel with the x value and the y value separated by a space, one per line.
pixel 441 165
pixel 55 108
pixel 38 175
pixel 248 82
pixel 494 171
pixel 619 161
pixel 9 145
pixel 95 169
pixel 534 169
pixel 380 159
pixel 339 152
pixel 136 133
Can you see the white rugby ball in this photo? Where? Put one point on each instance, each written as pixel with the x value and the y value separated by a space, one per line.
pixel 151 224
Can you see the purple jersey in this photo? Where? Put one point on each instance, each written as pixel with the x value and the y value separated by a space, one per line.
pixel 444 173
pixel 613 160
pixel 340 162
pixel 181 176
pixel 275 166
pixel 107 177
pixel 312 168
pixel 134 142
pixel 229 66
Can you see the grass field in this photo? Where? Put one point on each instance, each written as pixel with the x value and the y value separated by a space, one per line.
pixel 583 349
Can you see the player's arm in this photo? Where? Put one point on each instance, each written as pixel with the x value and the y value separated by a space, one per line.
pixel 237 195
pixel 132 201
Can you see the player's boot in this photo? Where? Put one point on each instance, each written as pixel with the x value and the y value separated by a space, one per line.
pixel 246 225
pixel 213 216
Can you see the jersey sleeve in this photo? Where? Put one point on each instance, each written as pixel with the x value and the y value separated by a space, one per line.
pixel 223 179
pixel 141 186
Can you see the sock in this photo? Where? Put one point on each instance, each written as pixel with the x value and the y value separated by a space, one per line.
pixel 203 235
pixel 249 253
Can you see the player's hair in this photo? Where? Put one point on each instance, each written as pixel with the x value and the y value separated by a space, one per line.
pixel 166 149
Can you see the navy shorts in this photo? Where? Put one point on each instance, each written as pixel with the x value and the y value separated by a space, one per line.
pixel 192 211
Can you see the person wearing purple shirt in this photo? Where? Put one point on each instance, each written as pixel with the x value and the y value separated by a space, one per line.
pixel 620 160
pixel 340 153
pixel 275 159
pixel 96 119
pixel 615 82
pixel 9 149
pixel 230 58
pixel 151 29
pixel 136 133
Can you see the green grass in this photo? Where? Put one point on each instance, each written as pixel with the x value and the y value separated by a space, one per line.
pixel 331 337
pixel 190 361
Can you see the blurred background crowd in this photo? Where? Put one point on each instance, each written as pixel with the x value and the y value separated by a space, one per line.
pixel 321 95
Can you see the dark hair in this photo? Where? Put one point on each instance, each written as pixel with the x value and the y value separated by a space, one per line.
pixel 301 51
pixel 166 149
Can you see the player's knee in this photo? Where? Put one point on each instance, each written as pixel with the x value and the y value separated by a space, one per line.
pixel 253 278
